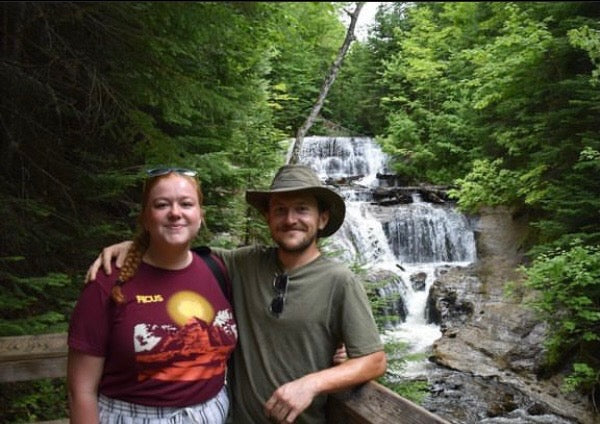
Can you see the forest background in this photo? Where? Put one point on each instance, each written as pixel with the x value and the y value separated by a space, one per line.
pixel 499 100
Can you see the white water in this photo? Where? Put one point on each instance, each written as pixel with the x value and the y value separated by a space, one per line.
pixel 403 239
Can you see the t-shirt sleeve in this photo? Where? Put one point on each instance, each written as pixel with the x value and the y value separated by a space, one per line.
pixel 227 256
pixel 359 331
pixel 89 325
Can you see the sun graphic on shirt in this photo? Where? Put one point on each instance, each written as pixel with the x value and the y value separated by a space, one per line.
pixel 186 304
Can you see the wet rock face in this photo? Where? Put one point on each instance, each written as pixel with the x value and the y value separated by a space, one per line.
pixel 418 280
pixel 492 331
pixel 463 398
pixel 474 398
pixel 493 338
pixel 448 304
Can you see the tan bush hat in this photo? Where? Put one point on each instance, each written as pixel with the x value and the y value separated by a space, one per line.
pixel 301 178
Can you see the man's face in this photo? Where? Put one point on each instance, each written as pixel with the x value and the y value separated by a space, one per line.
pixel 294 220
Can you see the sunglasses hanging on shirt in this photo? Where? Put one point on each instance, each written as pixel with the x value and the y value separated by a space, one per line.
pixel 280 283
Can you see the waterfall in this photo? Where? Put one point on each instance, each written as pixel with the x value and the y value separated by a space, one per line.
pixel 422 233
pixel 342 157
pixel 409 240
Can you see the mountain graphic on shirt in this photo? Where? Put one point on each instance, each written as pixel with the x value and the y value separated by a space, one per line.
pixel 196 351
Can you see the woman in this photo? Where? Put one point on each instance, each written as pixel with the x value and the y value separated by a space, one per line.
pixel 153 345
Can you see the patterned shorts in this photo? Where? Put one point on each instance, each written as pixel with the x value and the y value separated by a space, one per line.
pixel 213 411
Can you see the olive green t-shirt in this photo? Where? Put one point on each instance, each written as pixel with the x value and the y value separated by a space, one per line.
pixel 324 305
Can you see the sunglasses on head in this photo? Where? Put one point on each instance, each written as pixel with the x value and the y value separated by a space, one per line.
pixel 280 283
pixel 157 172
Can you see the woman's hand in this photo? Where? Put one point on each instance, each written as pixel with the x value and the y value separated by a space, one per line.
pixel 340 355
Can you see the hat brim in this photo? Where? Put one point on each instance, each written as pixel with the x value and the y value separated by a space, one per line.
pixel 334 202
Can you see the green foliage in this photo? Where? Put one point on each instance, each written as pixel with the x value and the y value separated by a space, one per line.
pixel 428 132
pixel 396 351
pixel 582 376
pixel 571 207
pixel 397 356
pixel 489 184
pixel 462 84
pixel 567 283
pixel 353 101
pixel 413 390
pixel 34 305
pixel 302 49
pixel 26 402
pixel 588 39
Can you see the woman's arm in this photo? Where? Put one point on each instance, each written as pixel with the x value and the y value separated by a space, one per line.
pixel 83 377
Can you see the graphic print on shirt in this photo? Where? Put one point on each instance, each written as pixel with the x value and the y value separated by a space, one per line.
pixel 194 347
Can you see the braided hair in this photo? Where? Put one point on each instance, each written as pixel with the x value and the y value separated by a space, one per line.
pixel 130 265
pixel 141 241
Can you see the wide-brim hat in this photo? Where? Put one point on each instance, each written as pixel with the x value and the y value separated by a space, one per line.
pixel 301 178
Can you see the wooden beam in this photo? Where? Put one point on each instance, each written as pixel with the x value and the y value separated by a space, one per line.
pixel 373 403
pixel 32 357
pixel 45 356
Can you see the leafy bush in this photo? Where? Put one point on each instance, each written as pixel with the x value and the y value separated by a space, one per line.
pixel 568 287
pixel 24 402
pixel 35 305
pixel 487 184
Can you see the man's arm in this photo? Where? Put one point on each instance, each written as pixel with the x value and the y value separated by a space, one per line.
pixel 118 251
pixel 83 377
pixel 289 400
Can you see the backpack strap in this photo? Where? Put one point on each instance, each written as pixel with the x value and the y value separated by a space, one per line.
pixel 216 266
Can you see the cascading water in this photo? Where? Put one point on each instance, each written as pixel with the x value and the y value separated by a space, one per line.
pixel 409 240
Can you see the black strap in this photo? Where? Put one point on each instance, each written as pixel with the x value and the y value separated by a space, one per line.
pixel 205 253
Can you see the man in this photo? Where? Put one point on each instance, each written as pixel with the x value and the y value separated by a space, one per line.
pixel 294 307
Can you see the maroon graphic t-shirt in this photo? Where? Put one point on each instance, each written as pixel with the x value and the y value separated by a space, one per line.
pixel 167 345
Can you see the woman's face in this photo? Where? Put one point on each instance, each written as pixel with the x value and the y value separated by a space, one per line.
pixel 173 215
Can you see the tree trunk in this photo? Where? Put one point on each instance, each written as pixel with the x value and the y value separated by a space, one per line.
pixel 335 67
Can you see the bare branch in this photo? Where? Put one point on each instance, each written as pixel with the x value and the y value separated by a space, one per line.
pixel 329 80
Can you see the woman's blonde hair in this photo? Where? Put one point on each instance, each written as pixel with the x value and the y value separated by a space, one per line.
pixel 141 241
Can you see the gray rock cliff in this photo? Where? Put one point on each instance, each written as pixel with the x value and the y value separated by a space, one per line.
pixel 493 336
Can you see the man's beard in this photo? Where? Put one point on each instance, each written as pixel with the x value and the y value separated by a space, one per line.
pixel 299 248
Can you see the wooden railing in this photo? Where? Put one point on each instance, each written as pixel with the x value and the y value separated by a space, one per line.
pixel 25 358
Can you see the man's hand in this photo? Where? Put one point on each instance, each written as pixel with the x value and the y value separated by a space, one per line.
pixel 118 251
pixel 289 400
